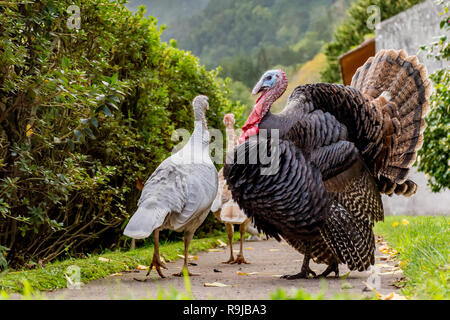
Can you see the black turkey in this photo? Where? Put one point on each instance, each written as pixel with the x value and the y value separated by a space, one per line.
pixel 339 147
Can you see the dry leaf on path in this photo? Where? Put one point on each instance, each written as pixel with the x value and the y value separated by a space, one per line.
pixel 141 267
pixel 273 250
pixel 242 273
pixel 216 284
pixel 221 243
pixel 391 296
pixel 215 250
pixel 249 248
pixel 117 274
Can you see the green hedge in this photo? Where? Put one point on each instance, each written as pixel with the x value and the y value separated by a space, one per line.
pixel 85 113
pixel 435 153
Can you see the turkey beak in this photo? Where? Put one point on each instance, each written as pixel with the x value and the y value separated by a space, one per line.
pixel 258 87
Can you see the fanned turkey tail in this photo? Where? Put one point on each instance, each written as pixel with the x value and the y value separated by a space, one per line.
pixel 397 86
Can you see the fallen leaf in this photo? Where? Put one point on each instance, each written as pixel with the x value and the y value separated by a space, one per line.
pixel 242 273
pixel 217 270
pixel 215 250
pixel 390 296
pixel 141 267
pixel 398 297
pixel 29 131
pixel 221 243
pixel 117 274
pixel 103 259
pixel 216 284
pixel 273 250
pixel 189 257
pixel 249 248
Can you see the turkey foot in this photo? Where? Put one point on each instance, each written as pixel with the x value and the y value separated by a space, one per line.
pixel 240 259
pixel 180 274
pixel 306 270
pixel 230 261
pixel 156 261
pixel 304 274
pixel 187 240
pixel 334 267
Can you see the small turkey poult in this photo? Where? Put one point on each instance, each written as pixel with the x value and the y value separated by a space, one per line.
pixel 339 148
pixel 179 193
pixel 224 208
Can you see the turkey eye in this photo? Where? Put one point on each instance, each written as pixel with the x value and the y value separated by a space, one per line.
pixel 269 78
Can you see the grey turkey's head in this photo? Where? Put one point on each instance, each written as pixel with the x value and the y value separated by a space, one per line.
pixel 200 105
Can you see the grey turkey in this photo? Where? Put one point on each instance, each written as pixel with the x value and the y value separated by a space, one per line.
pixel 339 148
pixel 179 193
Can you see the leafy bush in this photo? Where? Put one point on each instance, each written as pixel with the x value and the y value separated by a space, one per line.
pixel 85 113
pixel 353 30
pixel 435 152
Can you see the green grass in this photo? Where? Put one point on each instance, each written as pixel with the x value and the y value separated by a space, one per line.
pixel 423 246
pixel 52 276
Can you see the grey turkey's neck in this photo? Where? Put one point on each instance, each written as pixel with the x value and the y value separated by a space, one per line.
pixel 199 116
pixel 200 134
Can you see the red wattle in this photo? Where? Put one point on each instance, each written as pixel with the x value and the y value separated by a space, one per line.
pixel 250 127
pixel 250 132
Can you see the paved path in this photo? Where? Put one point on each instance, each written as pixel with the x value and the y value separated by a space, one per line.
pixel 268 258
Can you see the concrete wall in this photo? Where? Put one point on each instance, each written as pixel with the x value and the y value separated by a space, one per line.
pixel 409 31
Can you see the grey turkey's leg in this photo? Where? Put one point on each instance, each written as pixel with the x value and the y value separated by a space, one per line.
pixel 306 271
pixel 156 261
pixel 187 240
pixel 333 267
pixel 229 227
pixel 240 258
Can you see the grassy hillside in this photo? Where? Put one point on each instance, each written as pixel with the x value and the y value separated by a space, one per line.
pixel 308 73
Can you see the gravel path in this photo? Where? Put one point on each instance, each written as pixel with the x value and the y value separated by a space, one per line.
pixel 268 260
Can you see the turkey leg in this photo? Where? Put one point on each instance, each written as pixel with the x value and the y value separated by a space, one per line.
pixel 187 240
pixel 240 258
pixel 306 271
pixel 229 227
pixel 156 261
pixel 333 267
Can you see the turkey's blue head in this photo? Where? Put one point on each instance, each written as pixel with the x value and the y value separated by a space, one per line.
pixel 272 85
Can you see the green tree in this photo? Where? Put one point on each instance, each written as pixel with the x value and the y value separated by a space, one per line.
pixel 353 30
pixel 435 153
